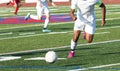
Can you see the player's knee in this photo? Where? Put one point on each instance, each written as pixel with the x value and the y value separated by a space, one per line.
pixel 90 38
pixel 39 18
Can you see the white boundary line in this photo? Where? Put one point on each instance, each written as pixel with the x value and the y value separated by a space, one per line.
pixel 108 27
pixel 24 35
pixel 95 67
pixel 42 58
pixel 27 33
pixel 9 33
pixel 38 50
pixel 103 33
pixel 7 58
pixel 31 35
pixel 52 33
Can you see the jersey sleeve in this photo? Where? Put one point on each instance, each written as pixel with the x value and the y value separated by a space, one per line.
pixel 73 4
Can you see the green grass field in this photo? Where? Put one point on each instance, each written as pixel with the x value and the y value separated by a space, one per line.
pixel 28 41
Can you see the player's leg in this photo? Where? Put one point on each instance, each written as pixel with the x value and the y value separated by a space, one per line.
pixel 27 16
pixel 14 3
pixel 89 30
pixel 78 27
pixel 47 13
pixel 35 17
pixel 74 43
pixel 17 6
pixel 89 37
pixel 16 10
pixel 39 14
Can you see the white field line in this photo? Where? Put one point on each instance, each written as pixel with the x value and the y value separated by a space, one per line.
pixel 103 33
pixel 35 10
pixel 38 50
pixel 55 33
pixel 42 58
pixel 27 33
pixel 95 33
pixel 114 5
pixel 30 34
pixel 108 19
pixel 95 67
pixel 9 33
pixel 7 58
pixel 112 18
pixel 116 10
pixel 21 27
pixel 109 13
pixel 108 27
pixel 36 58
pixel 33 34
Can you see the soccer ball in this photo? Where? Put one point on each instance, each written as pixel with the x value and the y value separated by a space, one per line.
pixel 50 57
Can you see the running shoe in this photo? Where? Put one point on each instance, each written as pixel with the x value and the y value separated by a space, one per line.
pixel 71 54
pixel 27 17
pixel 46 30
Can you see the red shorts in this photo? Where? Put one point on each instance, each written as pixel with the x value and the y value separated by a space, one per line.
pixel 13 2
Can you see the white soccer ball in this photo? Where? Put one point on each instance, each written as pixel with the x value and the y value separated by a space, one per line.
pixel 50 57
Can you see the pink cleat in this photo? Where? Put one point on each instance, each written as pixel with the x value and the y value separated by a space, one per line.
pixel 71 54
pixel 84 35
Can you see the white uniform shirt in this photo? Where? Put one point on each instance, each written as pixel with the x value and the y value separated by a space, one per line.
pixel 85 10
pixel 41 3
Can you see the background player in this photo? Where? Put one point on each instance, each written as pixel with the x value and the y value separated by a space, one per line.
pixel 85 20
pixel 16 4
pixel 42 7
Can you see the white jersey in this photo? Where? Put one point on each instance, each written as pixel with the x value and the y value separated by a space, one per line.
pixel 85 11
pixel 41 3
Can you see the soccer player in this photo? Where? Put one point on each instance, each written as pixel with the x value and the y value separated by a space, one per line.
pixel 16 4
pixel 42 7
pixel 84 21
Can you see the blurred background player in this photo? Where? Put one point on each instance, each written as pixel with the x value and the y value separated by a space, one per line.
pixel 85 20
pixel 16 4
pixel 42 8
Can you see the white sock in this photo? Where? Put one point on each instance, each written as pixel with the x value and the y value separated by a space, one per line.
pixel 73 45
pixel 46 23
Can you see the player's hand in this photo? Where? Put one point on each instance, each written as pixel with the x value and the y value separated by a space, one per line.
pixel 74 18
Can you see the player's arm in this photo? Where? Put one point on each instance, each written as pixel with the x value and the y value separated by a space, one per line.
pixel 53 4
pixel 72 11
pixel 103 13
